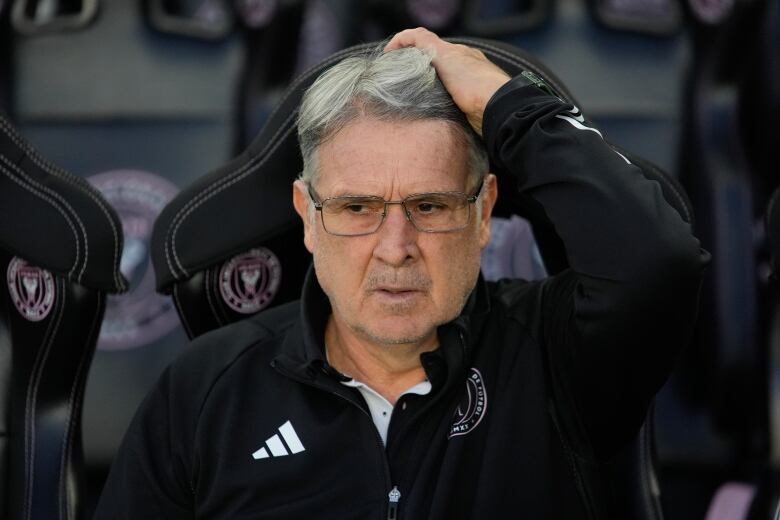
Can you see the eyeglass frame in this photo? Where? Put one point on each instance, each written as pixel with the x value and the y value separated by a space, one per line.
pixel 318 205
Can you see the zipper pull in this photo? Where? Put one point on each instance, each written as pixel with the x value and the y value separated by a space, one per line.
pixel 394 496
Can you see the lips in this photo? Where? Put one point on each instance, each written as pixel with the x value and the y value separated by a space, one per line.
pixel 397 290
pixel 397 293
pixel 398 298
pixel 407 284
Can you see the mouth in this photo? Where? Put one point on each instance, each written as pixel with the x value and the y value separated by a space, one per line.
pixel 397 294
pixel 391 289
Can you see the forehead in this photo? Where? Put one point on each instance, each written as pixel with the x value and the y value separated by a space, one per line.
pixel 378 157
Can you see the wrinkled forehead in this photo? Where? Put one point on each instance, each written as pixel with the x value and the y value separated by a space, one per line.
pixel 411 156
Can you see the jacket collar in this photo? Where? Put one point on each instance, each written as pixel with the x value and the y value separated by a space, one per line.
pixel 304 346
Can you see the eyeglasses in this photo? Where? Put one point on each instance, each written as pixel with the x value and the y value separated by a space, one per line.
pixel 355 215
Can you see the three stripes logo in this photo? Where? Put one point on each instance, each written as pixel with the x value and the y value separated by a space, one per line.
pixel 577 120
pixel 277 448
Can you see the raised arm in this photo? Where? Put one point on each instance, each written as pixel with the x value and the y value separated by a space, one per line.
pixel 614 322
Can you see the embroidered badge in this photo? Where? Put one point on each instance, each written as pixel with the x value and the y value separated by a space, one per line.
pixel 472 406
pixel 31 289
pixel 248 282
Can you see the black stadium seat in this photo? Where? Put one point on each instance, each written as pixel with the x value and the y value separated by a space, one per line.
pixel 768 493
pixel 60 245
pixel 230 244
pixel 137 101
pixel 712 408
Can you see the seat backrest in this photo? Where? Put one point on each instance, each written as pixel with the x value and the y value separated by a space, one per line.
pixel 60 244
pixel 230 244
pixel 136 102
pixel 711 403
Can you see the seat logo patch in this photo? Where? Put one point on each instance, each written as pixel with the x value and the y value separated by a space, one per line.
pixel 31 289
pixel 472 407
pixel 248 282
pixel 140 316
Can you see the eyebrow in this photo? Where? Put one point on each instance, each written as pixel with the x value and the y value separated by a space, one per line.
pixel 347 192
pixel 344 193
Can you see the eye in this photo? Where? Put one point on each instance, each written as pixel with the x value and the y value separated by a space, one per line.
pixel 356 208
pixel 430 204
pixel 426 208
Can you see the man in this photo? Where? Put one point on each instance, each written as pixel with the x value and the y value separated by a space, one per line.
pixel 403 385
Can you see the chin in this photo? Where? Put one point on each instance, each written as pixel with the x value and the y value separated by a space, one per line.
pixel 396 334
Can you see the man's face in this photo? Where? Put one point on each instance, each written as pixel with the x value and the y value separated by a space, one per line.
pixel 398 284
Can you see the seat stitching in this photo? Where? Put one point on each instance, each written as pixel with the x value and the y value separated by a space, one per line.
pixel 170 238
pixel 32 396
pixel 215 189
pixel 210 191
pixel 72 179
pixel 46 198
pixel 74 405
pixel 64 202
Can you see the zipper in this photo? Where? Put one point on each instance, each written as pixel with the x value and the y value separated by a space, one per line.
pixel 394 495
pixel 392 505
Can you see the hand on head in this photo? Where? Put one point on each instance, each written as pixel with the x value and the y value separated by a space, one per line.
pixel 469 77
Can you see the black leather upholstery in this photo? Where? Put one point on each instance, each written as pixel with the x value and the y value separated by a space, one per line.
pixel 246 204
pixel 767 499
pixel 710 410
pixel 766 111
pixel 60 245
pixel 137 113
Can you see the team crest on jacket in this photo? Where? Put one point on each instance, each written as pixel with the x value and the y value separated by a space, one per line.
pixel 472 406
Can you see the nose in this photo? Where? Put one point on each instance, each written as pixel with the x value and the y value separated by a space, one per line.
pixel 396 238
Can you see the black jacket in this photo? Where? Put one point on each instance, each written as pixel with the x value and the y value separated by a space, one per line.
pixel 533 385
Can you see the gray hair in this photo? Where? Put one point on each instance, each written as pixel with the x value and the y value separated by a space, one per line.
pixel 399 85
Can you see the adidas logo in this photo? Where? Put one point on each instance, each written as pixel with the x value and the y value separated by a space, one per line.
pixel 277 448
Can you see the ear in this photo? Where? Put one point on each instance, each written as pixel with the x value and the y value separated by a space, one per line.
pixel 302 203
pixel 489 196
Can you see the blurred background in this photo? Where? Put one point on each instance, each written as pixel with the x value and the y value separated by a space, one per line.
pixel 143 97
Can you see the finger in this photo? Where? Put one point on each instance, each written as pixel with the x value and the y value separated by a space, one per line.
pixel 420 37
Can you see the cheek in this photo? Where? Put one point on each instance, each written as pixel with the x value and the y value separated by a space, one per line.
pixel 454 267
pixel 338 264
pixel 324 265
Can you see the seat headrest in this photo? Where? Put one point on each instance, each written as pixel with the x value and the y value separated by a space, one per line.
pixel 249 200
pixel 56 220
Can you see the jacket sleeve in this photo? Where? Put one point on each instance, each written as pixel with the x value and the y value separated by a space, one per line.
pixel 612 324
pixel 148 478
